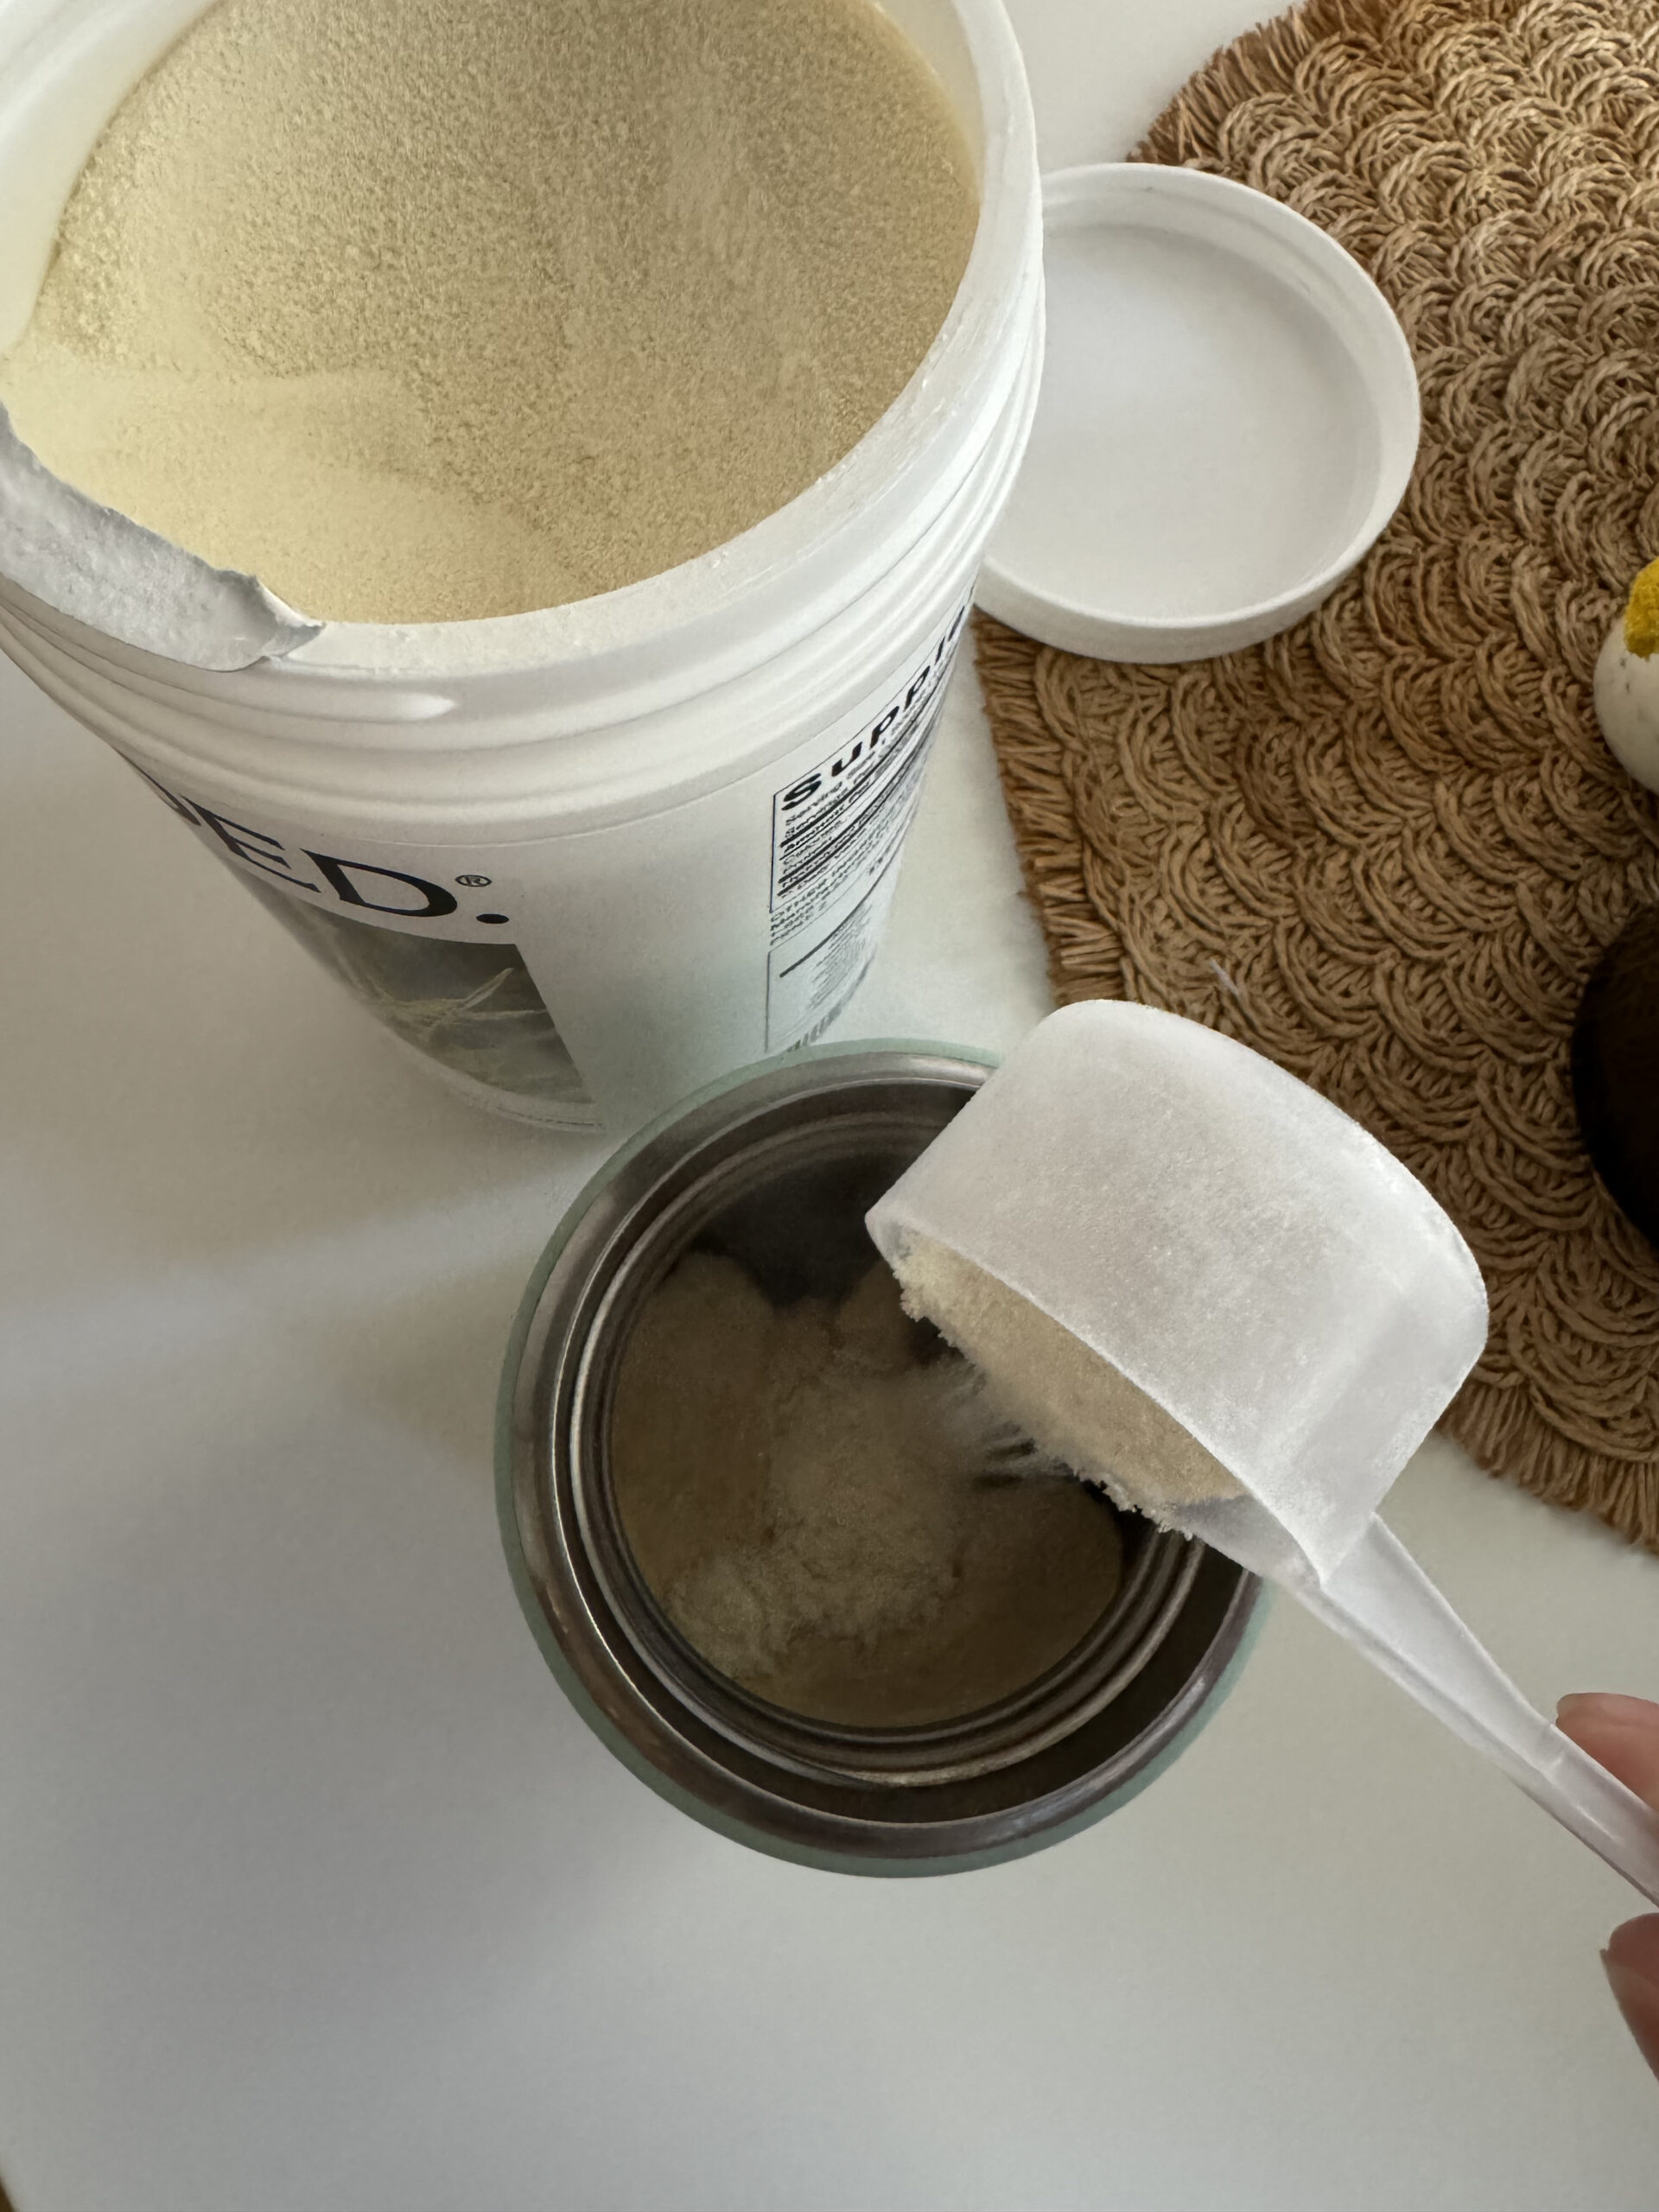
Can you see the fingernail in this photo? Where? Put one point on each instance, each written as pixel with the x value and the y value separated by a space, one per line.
pixel 1637 1999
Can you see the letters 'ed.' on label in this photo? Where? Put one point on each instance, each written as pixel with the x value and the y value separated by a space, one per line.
pixel 837 832
pixel 429 950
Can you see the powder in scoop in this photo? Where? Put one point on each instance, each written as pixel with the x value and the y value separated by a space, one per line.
pixel 808 1521
pixel 1070 1401
pixel 428 309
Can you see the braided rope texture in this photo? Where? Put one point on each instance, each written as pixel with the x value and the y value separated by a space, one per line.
pixel 1387 848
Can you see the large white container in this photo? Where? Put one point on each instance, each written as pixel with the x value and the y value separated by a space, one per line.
pixel 590 857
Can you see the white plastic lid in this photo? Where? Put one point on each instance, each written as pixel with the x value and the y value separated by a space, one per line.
pixel 1229 417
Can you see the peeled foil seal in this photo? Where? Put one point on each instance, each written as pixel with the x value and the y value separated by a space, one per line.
pixel 100 567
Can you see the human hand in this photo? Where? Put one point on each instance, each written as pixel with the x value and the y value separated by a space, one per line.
pixel 1621 1733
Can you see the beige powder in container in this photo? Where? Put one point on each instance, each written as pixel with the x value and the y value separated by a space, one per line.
pixel 810 1523
pixel 428 309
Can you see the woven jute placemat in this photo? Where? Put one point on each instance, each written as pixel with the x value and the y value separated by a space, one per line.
pixel 1388 847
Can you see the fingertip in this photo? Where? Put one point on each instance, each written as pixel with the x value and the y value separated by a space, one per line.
pixel 1635 1947
pixel 1621 1733
pixel 1631 1964
pixel 1607 1708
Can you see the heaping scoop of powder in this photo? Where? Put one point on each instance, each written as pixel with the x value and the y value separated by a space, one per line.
pixel 1065 1395
pixel 428 309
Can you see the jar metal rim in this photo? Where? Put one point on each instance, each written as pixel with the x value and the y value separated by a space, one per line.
pixel 915 1799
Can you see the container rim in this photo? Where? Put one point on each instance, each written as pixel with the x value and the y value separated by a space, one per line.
pixel 853 1806
pixel 790 574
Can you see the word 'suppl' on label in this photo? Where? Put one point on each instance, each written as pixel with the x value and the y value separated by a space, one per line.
pixel 837 832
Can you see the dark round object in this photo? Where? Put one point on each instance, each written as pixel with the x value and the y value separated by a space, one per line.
pixel 1616 1071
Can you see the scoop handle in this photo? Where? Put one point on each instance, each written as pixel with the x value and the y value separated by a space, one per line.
pixel 1380 1601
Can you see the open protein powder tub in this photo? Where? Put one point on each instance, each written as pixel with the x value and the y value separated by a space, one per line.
pixel 772 1172
pixel 583 859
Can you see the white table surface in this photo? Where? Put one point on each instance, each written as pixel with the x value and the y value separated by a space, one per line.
pixel 313 1892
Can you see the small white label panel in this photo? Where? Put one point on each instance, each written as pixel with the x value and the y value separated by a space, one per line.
pixel 837 833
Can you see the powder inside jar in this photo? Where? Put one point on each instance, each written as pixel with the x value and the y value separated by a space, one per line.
pixel 428 309
pixel 810 1523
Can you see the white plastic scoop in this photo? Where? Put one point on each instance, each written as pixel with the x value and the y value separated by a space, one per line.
pixel 1194 1280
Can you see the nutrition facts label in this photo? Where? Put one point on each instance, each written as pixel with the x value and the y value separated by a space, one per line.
pixel 836 834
